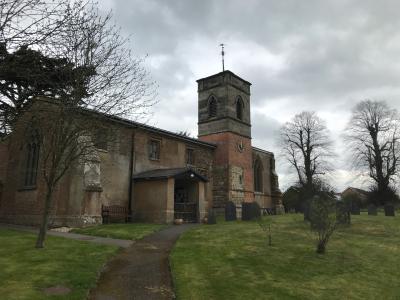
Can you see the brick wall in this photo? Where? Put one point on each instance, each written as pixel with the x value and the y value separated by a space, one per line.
pixel 228 163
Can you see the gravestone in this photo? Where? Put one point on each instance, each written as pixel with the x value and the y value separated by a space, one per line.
pixel 255 210
pixel 343 215
pixel 389 210
pixel 250 211
pixel 230 211
pixel 246 211
pixel 355 209
pixel 372 210
pixel 211 218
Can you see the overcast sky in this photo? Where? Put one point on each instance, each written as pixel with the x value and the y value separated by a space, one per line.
pixel 299 55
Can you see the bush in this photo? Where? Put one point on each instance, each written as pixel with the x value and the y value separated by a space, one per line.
pixel 291 199
pixel 323 220
pixel 379 198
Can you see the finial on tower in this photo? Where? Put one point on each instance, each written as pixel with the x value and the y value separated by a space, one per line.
pixel 223 54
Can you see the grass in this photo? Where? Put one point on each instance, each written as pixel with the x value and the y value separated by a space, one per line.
pixel 233 261
pixel 129 231
pixel 25 271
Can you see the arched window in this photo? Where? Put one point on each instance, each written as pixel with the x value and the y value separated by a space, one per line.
pixel 32 160
pixel 239 108
pixel 258 178
pixel 212 107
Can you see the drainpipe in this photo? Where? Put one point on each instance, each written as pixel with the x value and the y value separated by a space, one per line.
pixel 130 191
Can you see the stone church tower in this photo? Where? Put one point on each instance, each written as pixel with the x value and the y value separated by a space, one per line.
pixel 224 119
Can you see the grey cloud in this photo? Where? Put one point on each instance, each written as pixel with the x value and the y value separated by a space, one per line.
pixel 333 54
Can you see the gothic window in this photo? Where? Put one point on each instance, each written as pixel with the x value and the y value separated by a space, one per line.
pixel 189 156
pixel 239 108
pixel 32 160
pixel 212 107
pixel 258 178
pixel 154 150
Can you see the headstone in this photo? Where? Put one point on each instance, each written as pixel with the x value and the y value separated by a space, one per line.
pixel 230 211
pixel 255 210
pixel 246 211
pixel 343 215
pixel 211 218
pixel 372 210
pixel 355 209
pixel 389 210
pixel 250 211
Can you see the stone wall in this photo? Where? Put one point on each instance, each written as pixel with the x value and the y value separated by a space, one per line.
pixel 154 201
pixel 86 186
pixel 226 87
pixel 270 196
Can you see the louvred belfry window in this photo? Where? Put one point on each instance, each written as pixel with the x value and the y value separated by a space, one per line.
pixel 239 108
pixel 212 107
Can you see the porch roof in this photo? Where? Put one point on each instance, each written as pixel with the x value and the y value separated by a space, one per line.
pixel 169 173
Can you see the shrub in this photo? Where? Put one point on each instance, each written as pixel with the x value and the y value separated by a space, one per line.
pixel 378 198
pixel 323 220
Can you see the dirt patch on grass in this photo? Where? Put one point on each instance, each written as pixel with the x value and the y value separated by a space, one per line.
pixel 57 290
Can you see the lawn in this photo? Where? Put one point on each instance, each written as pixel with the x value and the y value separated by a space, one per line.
pixel 26 271
pixel 129 231
pixel 233 261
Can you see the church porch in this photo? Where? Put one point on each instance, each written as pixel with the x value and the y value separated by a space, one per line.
pixel 163 195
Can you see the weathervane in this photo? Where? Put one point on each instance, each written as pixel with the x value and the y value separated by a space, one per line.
pixel 223 54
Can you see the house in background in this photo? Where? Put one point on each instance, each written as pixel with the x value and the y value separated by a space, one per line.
pixel 158 175
pixel 361 196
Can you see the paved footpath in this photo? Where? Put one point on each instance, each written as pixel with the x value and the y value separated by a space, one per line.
pixel 142 270
pixel 74 236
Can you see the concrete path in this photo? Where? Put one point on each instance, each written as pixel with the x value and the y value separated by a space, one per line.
pixel 74 236
pixel 142 270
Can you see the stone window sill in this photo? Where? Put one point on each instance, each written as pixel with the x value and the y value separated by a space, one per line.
pixel 27 188
pixel 102 150
pixel 93 189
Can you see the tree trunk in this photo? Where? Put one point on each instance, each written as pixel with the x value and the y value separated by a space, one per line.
pixel 45 219
pixel 321 247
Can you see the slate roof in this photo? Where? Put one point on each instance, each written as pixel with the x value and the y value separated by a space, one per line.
pixel 360 191
pixel 168 173
pixel 153 129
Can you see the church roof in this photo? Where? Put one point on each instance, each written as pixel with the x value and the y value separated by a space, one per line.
pixel 153 129
pixel 224 72
pixel 262 150
pixel 169 173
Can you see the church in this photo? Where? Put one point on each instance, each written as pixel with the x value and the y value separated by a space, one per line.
pixel 157 175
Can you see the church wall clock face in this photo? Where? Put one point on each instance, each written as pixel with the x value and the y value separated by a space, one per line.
pixel 240 146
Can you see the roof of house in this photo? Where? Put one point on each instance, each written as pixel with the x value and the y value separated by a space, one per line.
pixel 364 192
pixel 169 173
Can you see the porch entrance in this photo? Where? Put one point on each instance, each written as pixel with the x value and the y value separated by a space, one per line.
pixel 186 200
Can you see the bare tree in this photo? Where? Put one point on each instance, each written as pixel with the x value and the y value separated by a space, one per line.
pixel 65 138
pixel 92 75
pixel 373 135
pixel 120 84
pixel 30 22
pixel 306 144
